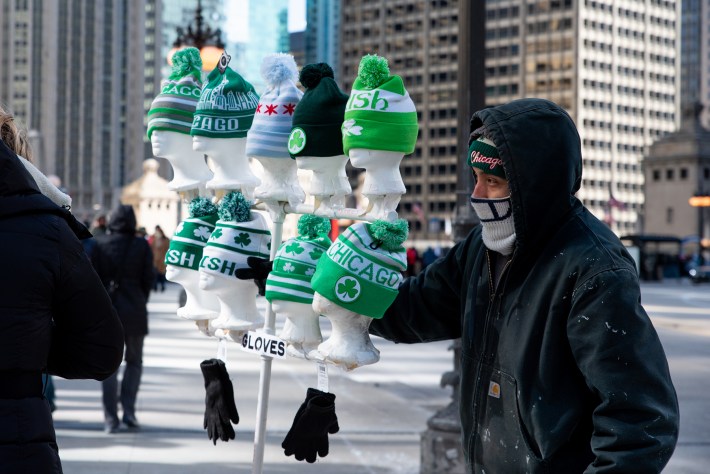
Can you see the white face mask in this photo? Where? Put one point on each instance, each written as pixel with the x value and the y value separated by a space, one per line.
pixel 496 217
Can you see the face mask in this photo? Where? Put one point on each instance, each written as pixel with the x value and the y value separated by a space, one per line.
pixel 496 217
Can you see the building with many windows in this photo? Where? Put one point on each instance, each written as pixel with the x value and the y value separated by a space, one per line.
pixel 322 34
pixel 72 72
pixel 613 65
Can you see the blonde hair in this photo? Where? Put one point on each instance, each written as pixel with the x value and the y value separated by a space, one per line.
pixel 14 136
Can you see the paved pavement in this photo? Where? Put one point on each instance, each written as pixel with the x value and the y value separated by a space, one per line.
pixel 381 408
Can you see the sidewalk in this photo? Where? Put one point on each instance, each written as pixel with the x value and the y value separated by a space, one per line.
pixel 382 408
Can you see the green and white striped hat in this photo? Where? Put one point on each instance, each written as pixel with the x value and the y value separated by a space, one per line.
pixel 226 107
pixel 379 115
pixel 174 107
pixel 361 271
pixel 238 234
pixel 192 234
pixel 296 259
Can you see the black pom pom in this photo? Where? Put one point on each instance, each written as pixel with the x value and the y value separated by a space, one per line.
pixel 311 74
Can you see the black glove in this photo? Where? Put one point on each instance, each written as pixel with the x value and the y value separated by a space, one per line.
pixel 314 420
pixel 219 401
pixel 259 269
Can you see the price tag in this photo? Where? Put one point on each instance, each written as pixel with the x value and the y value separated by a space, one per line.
pixel 222 350
pixel 322 377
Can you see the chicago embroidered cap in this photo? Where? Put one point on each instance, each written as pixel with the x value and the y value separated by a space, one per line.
pixel 226 107
pixel 173 109
pixel 296 259
pixel 379 115
pixel 319 114
pixel 238 234
pixel 483 154
pixel 268 135
pixel 361 270
pixel 191 235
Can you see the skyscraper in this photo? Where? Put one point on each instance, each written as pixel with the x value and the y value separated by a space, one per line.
pixel 322 35
pixel 73 73
pixel 613 65
pixel 695 56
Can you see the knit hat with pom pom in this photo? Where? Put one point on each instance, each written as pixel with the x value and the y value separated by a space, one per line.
pixel 239 234
pixel 361 271
pixel 268 135
pixel 296 259
pixel 226 107
pixel 380 115
pixel 319 115
pixel 174 107
pixel 191 235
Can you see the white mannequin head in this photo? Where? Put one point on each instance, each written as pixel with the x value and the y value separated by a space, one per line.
pixel 382 170
pixel 198 305
pixel 349 344
pixel 279 181
pixel 229 163
pixel 329 178
pixel 303 333
pixel 237 301
pixel 189 168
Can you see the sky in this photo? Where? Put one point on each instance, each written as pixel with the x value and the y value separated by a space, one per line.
pixel 237 20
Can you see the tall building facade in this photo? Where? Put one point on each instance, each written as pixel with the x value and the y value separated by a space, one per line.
pixel 322 34
pixel 613 65
pixel 73 72
pixel 695 56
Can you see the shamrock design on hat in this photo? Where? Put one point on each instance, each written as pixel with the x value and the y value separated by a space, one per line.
pixel 347 289
pixel 296 141
pixel 186 246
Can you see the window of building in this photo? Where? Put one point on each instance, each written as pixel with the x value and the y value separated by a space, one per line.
pixel 669 215
pixel 669 174
pixel 684 173
pixel 656 175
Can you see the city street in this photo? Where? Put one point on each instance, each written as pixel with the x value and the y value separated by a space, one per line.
pixel 382 408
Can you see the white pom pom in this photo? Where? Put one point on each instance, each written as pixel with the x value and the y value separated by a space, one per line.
pixel 278 67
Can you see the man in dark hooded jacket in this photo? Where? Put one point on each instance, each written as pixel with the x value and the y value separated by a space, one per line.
pixel 125 264
pixel 561 368
pixel 55 316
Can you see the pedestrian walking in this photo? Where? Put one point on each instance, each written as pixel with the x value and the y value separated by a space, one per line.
pixel 159 244
pixel 561 368
pixel 55 316
pixel 124 263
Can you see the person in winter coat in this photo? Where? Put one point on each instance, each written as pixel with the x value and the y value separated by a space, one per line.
pixel 55 315
pixel 124 263
pixel 561 368
pixel 159 244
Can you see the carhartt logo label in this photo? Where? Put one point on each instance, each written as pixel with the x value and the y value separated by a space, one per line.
pixel 494 390
pixel 477 157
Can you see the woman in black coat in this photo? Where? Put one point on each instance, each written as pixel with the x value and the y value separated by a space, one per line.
pixel 124 263
pixel 55 316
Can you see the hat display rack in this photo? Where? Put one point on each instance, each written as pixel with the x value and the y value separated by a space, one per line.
pixel 236 157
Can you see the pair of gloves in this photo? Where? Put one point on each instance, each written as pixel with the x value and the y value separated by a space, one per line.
pixel 314 420
pixel 220 410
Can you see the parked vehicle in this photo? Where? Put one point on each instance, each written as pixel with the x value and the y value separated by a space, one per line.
pixel 699 273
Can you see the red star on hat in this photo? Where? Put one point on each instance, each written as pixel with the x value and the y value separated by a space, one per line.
pixel 289 109
pixel 271 109
pixel 258 109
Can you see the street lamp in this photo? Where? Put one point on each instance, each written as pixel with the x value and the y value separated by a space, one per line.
pixel 204 38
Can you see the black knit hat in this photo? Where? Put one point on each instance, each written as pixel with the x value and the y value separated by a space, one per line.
pixel 319 114
pixel 483 154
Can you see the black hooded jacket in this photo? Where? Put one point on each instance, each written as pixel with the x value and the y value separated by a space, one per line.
pixel 55 316
pixel 561 368
pixel 120 254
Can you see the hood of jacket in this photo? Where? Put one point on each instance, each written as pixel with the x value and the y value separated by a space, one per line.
pixel 19 193
pixel 122 220
pixel 542 157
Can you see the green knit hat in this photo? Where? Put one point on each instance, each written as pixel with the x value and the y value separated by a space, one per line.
pixel 226 107
pixel 174 107
pixel 380 115
pixel 319 114
pixel 361 271
pixel 238 234
pixel 191 235
pixel 483 154
pixel 296 259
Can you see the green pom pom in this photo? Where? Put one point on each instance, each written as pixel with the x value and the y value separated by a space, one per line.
pixel 187 62
pixel 390 234
pixel 200 207
pixel 373 70
pixel 312 226
pixel 235 207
